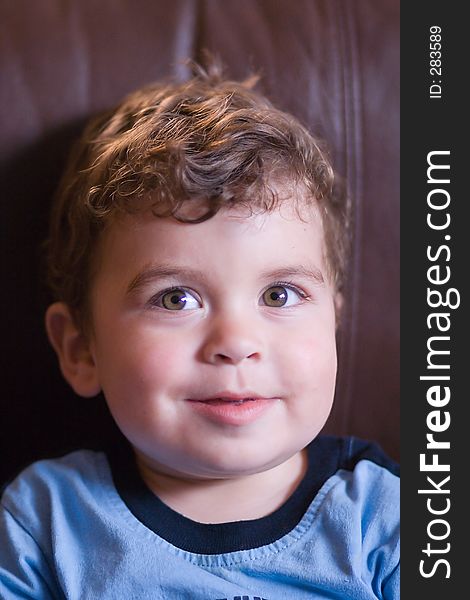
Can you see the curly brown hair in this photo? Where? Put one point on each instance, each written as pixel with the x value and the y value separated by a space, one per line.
pixel 167 144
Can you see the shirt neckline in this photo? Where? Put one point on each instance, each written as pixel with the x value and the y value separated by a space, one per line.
pixel 221 538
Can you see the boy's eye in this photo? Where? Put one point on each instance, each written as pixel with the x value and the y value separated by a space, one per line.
pixel 177 299
pixel 280 295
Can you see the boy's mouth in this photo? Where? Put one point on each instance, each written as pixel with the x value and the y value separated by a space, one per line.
pixel 225 397
pixel 232 409
pixel 218 401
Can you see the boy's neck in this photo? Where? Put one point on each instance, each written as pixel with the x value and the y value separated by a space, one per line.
pixel 228 500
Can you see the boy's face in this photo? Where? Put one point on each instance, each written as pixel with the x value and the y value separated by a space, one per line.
pixel 190 319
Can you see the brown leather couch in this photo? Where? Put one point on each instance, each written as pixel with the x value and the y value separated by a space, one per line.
pixel 333 63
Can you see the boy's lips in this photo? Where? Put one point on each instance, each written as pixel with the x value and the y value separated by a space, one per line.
pixel 226 396
pixel 233 408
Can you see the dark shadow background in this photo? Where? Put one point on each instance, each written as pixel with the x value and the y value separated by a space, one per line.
pixel 332 63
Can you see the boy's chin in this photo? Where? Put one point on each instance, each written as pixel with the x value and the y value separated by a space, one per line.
pixel 228 463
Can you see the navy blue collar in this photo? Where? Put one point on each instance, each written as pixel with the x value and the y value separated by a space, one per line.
pixel 325 456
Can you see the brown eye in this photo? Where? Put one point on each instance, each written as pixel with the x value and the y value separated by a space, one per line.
pixel 275 296
pixel 280 295
pixel 178 299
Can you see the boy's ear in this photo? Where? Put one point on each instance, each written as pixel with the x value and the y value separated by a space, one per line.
pixel 73 350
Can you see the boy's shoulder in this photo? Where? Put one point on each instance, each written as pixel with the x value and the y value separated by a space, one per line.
pixel 347 452
pixel 354 462
pixel 357 499
pixel 350 462
pixel 63 464
pixel 55 482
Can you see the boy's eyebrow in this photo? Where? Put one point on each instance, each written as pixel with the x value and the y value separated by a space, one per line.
pixel 312 273
pixel 152 272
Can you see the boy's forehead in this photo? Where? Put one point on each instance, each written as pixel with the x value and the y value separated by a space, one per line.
pixel 241 219
pixel 289 230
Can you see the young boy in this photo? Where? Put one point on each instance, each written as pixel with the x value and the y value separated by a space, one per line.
pixel 197 255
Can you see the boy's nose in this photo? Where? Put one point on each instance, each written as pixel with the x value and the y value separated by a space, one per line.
pixel 231 342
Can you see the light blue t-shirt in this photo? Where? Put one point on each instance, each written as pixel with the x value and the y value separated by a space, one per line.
pixel 85 527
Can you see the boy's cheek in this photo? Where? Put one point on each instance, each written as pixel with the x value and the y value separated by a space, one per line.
pixel 154 366
pixel 137 360
pixel 314 351
pixel 309 368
